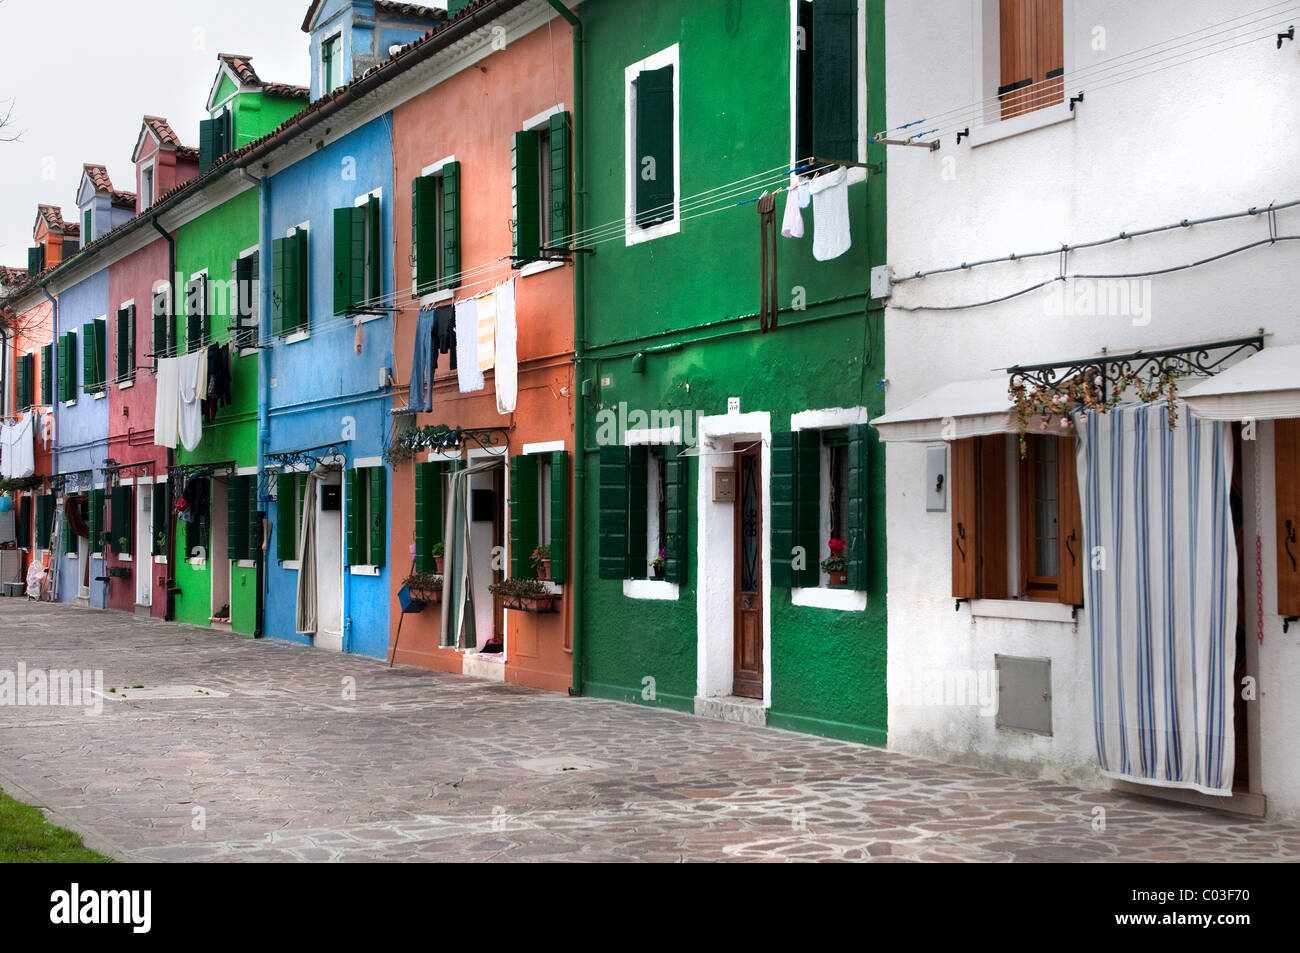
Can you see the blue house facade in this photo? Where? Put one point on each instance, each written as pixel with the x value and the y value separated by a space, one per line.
pixel 327 241
pixel 350 36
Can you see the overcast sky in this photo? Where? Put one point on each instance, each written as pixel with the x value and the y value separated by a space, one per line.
pixel 82 73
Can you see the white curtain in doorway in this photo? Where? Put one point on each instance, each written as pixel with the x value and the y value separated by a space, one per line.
pixel 458 627
pixel 306 605
pixel 1160 594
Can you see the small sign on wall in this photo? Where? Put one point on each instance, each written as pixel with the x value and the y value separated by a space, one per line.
pixel 733 405
pixel 724 486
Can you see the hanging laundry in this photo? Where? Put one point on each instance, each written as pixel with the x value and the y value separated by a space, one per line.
pixel 220 377
pixel 17 458
pixel 167 402
pixel 767 308
pixel 359 339
pixel 487 327
pixel 47 428
pixel 830 201
pixel 193 377
pixel 201 373
pixel 444 333
pixel 422 364
pixel 507 338
pixel 796 198
pixel 470 378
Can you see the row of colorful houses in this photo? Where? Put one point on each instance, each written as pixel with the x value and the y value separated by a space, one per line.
pixel 463 357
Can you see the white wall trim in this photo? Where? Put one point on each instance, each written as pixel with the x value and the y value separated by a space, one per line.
pixel 548 447
pixel 845 600
pixel 437 166
pixel 635 234
pixel 831 417
pixel 443 456
pixel 363 462
pixel 651 589
pixel 366 570
pixel 542 118
pixel 1029 609
pixel 1038 119
pixel 246 471
pixel 635 436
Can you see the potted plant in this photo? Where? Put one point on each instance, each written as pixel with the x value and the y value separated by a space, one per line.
pixel 438 551
pixel 836 566
pixel 659 563
pixel 542 561
pixel 527 595
pixel 425 586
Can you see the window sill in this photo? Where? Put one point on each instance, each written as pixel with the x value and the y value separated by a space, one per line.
pixel 99 396
pixel 436 297
pixel 651 589
pixel 367 317
pixel 248 351
pixel 845 600
pixel 125 385
pixel 70 403
pixel 124 557
pixel 247 563
pixel 365 570
pixel 1027 609
pixel 198 562
pixel 537 267
pixel 636 235
pixel 296 337
pixel 1007 128
pixel 160 560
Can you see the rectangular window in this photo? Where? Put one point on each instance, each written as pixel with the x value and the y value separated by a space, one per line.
pixel 541 186
pixel 94 355
pixel 198 322
pixel 651 91
pixel 125 350
pixel 243 521
pixel 68 366
pixel 332 64
pixel 161 512
pixel 829 80
pixel 162 329
pixel 25 373
pixel 539 512
pixel 429 496
pixel 435 225
pixel 1031 55
pixel 1016 523
pixel 35 260
pixel 367 518
pixel 47 374
pixel 358 257
pixel 146 187
pixel 291 489
pixel 247 310
pixel 121 519
pixel 44 520
pixel 86 219
pixel 290 292
pixel 643 500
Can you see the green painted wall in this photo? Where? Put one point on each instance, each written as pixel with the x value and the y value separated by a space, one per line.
pixel 213 241
pixel 257 114
pixel 692 294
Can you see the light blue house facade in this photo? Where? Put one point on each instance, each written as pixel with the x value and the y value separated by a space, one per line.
pixel 350 36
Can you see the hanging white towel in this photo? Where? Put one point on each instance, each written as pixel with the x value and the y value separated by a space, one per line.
pixel 487 331
pixel 507 359
pixel 19 459
pixel 830 201
pixel 469 377
pixel 190 426
pixel 792 222
pixel 167 403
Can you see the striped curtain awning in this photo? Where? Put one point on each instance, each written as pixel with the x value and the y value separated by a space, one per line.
pixel 1265 386
pixel 1160 594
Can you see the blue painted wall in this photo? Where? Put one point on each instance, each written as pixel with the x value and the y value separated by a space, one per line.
pixel 324 392
pixel 367 35
pixel 82 429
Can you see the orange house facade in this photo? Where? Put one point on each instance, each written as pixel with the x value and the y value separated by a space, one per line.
pixel 483 178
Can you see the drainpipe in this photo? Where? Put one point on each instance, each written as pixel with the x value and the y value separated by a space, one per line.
pixel 265 289
pixel 579 342
pixel 169 614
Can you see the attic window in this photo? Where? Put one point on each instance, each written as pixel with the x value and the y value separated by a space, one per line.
pixel 146 187
pixel 332 63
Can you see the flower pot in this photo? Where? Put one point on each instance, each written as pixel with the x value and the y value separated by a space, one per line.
pixel 543 567
pixel 409 602
pixel 437 564
pixel 657 572
pixel 839 579
pixel 427 595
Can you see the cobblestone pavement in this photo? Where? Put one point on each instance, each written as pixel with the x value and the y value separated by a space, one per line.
pixel 427 766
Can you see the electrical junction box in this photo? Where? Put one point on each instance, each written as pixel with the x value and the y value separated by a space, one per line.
pixel 724 486
pixel 331 497
pixel 882 280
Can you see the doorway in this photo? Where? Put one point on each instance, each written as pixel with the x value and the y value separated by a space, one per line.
pixel 747 648
pixel 329 564
pixel 218 551
pixel 83 568
pixel 487 549
pixel 143 559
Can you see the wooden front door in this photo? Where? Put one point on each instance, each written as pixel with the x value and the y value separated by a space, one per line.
pixel 747 673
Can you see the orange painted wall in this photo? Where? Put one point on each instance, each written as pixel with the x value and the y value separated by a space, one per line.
pixel 472 117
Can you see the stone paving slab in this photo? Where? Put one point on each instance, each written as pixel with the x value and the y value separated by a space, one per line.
pixel 280 764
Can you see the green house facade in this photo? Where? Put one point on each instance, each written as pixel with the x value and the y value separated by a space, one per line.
pixel 724 399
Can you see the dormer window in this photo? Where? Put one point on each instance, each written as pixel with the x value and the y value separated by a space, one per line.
pixel 86 235
pixel 216 138
pixel 146 187
pixel 331 64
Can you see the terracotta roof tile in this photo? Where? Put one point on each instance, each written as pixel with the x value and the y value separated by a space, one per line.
pixel 124 199
pixel 242 67
pixel 410 10
pixel 53 216
pixel 286 91
pixel 187 152
pixel 163 130
pixel 98 177
pixel 12 276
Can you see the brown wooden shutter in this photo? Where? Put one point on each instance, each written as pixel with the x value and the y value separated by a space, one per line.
pixel 992 490
pixel 1049 53
pixel 1069 529
pixel 963 476
pixel 1016 50
pixel 1286 461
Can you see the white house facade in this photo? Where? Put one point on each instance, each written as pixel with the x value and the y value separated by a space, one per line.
pixel 1104 602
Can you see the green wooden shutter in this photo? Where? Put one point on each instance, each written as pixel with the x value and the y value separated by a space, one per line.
pixel 613 513
pixel 69 537
pixel 198 326
pixel 21 368
pixel 428 513
pixel 47 374
pixel 795 507
pixel 523 515
pixel 44 519
pixel 638 540
pixel 101 352
pixel 237 518
pixel 858 501
pixel 120 519
pixel 25 522
pixel 378 515
pixel 207 144
pixel 68 366
pixel 254 519
pixel 355 491
pixel 424 232
pixel 30 392
pixel 375 259
pixel 559 515
pixel 244 330
pixel 835 79
pixel 95 521
pixel 349 258
pixel 160 517
pixel 654 146
pixel 160 327
pixel 88 359
pixel 130 343
pixel 119 353
pixel 280 285
pixel 35 260
pixel 526 218
pixel 451 225
pixel 302 288
pixel 676 513
pixel 286 529
pixel 559 186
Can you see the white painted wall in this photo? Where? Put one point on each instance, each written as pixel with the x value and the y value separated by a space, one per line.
pixel 1212 137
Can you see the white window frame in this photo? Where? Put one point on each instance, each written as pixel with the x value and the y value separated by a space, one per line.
pixel 542 123
pixel 651 588
pixel 324 69
pixel 635 234
pixel 103 392
pixel 207 304
pixel 363 492
pixel 855 174
pixel 121 384
pixel 822 596
pixel 445 294
pixel 148 168
pixel 305 333
pixel 364 317
pixel 256 298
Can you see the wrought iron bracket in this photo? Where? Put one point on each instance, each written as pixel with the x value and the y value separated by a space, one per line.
pixel 1108 370
pixel 287 460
